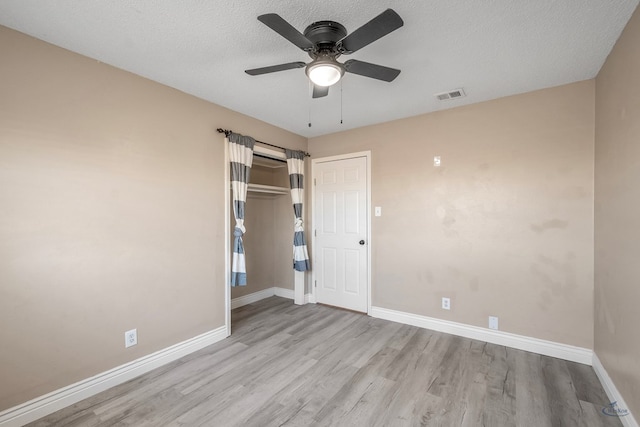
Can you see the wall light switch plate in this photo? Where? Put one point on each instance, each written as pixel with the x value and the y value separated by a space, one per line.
pixel 378 211
pixel 436 161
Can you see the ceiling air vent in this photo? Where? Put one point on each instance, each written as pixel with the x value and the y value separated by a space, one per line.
pixel 453 94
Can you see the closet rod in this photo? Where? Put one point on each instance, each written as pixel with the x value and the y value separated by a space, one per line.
pixel 227 132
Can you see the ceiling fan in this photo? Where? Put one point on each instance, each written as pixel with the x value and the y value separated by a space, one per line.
pixel 325 41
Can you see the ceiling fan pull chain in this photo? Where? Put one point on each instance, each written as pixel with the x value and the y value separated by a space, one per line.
pixel 311 86
pixel 340 101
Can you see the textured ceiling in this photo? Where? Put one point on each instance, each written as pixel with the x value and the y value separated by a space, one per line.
pixel 491 48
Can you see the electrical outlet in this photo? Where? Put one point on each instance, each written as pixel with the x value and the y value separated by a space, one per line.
pixel 446 303
pixel 493 322
pixel 130 338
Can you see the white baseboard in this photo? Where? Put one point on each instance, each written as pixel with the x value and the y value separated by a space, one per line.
pixel 535 345
pixel 284 293
pixel 309 299
pixel 66 396
pixel 260 295
pixel 612 392
pixel 251 298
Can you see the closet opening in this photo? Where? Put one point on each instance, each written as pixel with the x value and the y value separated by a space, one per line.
pixel 269 234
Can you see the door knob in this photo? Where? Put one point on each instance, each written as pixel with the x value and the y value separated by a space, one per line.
pixel 361 242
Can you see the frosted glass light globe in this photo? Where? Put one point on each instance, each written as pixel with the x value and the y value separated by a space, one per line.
pixel 324 73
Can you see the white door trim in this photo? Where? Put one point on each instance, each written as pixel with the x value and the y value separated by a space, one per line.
pixel 227 239
pixel 314 162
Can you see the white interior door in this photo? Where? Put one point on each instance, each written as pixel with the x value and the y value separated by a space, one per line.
pixel 341 232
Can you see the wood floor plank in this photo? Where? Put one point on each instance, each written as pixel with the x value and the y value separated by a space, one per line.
pixel 473 396
pixel 500 402
pixel 366 409
pixel 304 400
pixel 405 362
pixel 288 365
pixel 345 399
pixel 558 385
pixel 587 385
pixel 413 370
pixel 257 394
pixel 592 416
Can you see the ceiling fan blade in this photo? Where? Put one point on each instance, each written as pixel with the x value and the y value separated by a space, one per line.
pixel 320 91
pixel 371 70
pixel 378 27
pixel 286 30
pixel 274 68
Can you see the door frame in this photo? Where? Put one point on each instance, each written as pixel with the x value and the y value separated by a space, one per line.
pixel 227 239
pixel 314 162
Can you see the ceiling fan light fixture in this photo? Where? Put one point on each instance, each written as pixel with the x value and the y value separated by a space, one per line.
pixel 324 72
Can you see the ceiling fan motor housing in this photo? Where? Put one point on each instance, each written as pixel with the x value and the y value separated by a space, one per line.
pixel 325 35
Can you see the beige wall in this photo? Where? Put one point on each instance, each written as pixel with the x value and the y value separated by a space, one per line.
pixel 617 215
pixel 504 227
pixel 111 215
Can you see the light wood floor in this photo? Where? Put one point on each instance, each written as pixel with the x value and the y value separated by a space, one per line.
pixel 315 365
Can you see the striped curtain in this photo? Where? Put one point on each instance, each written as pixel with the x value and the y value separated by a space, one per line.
pixel 240 158
pixel 295 163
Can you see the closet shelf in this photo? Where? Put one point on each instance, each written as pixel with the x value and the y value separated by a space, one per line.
pixel 268 189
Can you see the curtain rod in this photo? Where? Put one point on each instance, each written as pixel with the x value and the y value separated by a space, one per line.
pixel 227 132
